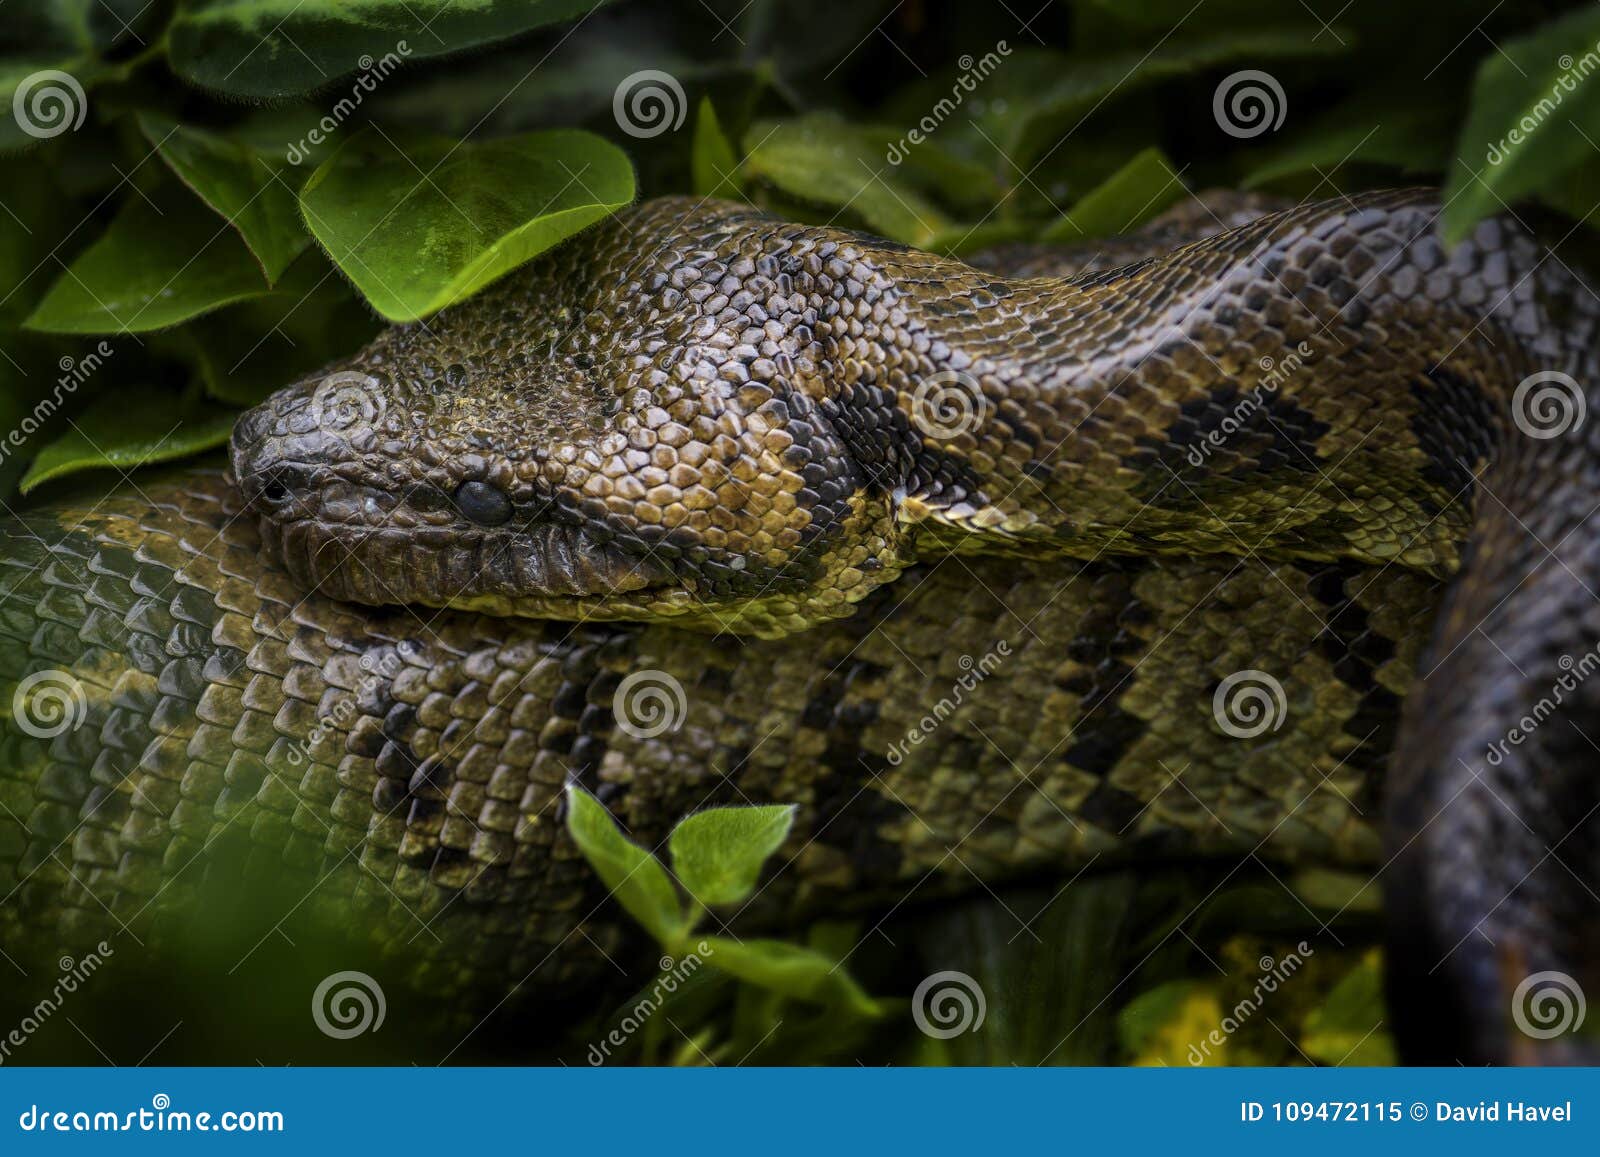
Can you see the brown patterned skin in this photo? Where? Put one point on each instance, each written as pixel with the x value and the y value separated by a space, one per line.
pixel 403 770
pixel 1260 450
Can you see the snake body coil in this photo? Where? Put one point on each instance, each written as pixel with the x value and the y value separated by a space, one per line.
pixel 1187 504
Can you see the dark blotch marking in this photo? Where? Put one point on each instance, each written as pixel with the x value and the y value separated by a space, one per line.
pixel 1105 732
pixel 1455 427
pixel 1357 649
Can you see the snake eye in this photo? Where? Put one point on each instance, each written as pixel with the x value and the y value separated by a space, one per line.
pixel 482 503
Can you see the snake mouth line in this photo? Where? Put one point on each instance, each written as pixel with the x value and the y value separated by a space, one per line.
pixel 539 564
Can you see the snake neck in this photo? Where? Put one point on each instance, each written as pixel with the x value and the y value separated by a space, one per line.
pixel 1323 382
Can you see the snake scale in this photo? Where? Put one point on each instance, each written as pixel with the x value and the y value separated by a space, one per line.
pixel 963 559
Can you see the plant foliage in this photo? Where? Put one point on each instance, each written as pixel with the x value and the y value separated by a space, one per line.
pixel 233 192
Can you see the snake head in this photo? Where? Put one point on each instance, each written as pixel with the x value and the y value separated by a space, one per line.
pixel 618 430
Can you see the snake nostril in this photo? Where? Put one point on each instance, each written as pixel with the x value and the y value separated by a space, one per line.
pixel 275 492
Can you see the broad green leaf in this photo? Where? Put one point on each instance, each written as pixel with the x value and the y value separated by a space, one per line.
pixel 1171 1025
pixel 156 264
pixel 790 970
pixel 718 853
pixel 1532 117
pixel 962 239
pixel 792 38
pixel 128 428
pixel 828 162
pixel 84 25
pixel 534 84
pixel 636 878
pixel 1337 891
pixel 1405 133
pixel 36 219
pixel 247 187
pixel 54 93
pixel 1034 97
pixel 311 318
pixel 712 161
pixel 423 228
pixel 1347 1029
pixel 274 48
pixel 1135 193
pixel 1086 84
pixel 53 52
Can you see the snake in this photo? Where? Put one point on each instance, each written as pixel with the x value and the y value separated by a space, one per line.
pixel 1261 532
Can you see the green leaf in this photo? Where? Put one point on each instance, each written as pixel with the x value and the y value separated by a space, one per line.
pixel 86 25
pixel 1405 133
pixel 247 351
pixel 1083 84
pixel 828 162
pixel 1347 1030
pixel 54 93
pixel 246 186
pixel 1131 196
pixel 1166 1025
pixel 712 161
pixel 636 878
pixel 1532 117
pixel 718 853
pixel 128 428
pixel 790 970
pixel 39 42
pixel 274 48
pixel 423 228
pixel 156 264
pixel 532 85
